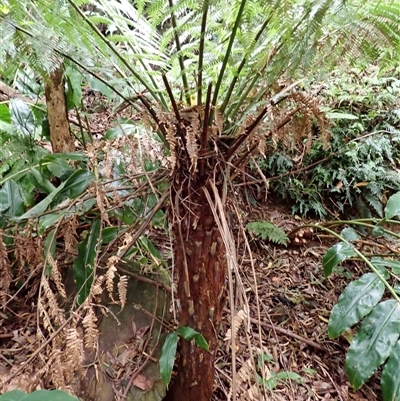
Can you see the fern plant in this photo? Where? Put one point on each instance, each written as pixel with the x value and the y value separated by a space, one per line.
pixel 267 230
pixel 203 77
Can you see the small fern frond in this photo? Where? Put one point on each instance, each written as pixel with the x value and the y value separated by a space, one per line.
pixel 267 230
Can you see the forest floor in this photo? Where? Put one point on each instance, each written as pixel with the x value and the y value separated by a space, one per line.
pixel 289 321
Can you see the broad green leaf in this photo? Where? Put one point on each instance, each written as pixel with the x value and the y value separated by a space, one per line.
pixel 109 234
pixel 49 395
pixel 355 302
pixel 149 247
pixel 50 247
pixel 392 208
pixel 74 88
pixel 121 131
pixel 390 380
pixel 64 156
pixel 167 358
pixel 75 185
pixel 373 343
pixel 11 200
pixel 22 117
pixel 336 254
pixel 41 207
pixel 41 181
pixel 378 231
pixel 189 334
pixel 78 209
pixel 48 220
pixel 83 265
pixel 97 85
pixel 14 395
pixel 393 264
pixel 5 115
pixel 349 234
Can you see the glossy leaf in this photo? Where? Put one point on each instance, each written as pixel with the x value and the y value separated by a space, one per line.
pixel 109 234
pixel 83 265
pixel 50 247
pixel 390 380
pixel 392 208
pixel 41 207
pixel 189 334
pixel 167 358
pixel 355 302
pixel 41 181
pixel 14 395
pixel 38 395
pixel 373 343
pixel 336 254
pixel 349 234
pixel 78 209
pixel 393 264
pixel 11 201
pixel 120 131
pixel 75 185
pixel 5 115
pixel 378 231
pixel 22 117
pixel 149 247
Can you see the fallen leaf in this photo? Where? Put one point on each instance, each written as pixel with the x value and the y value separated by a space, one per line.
pixel 142 382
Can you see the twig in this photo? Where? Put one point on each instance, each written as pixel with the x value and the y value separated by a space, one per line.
pixel 290 334
pixel 138 277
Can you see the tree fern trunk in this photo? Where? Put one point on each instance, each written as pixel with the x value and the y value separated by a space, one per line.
pixel 200 264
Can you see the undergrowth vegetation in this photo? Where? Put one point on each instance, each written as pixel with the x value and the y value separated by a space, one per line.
pixel 356 172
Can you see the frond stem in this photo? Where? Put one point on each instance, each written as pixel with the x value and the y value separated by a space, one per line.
pixel 242 64
pixel 201 53
pixel 227 55
pixel 178 47
pixel 204 134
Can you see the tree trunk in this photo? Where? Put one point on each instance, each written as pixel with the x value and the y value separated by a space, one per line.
pixel 200 263
pixel 60 136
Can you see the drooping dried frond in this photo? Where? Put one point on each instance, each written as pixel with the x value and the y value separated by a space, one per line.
pixel 70 234
pixel 110 274
pixel 5 271
pixel 102 200
pixel 238 320
pixel 91 334
pixel 56 275
pixel 122 290
pixel 313 109
pixel 57 369
pixel 29 249
pixel 53 309
pixel 97 287
pixel 73 354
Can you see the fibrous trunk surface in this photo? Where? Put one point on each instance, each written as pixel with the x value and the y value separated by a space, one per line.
pixel 200 265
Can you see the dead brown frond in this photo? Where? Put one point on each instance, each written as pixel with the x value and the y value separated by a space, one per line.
pixel 73 354
pixel 91 334
pixel 56 275
pixel 122 290
pixel 28 249
pixel 102 203
pixel 110 274
pixel 5 272
pixel 70 234
pixel 50 305
pixel 238 320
